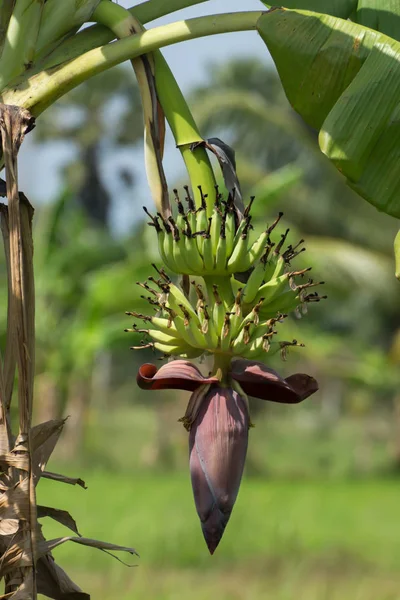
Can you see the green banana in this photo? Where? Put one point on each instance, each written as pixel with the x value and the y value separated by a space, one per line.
pixel 254 282
pixel 207 327
pixel 230 230
pixel 189 332
pixel 284 303
pixel 238 255
pixel 244 225
pixel 254 349
pixel 176 349
pixel 243 338
pixel 237 311
pixel 208 257
pixel 221 254
pixel 218 311
pixel 254 253
pixel 179 248
pixel 215 229
pixel 194 353
pixel 272 288
pixel 201 226
pixel 226 333
pixel 168 246
pixel 164 325
pixel 176 299
pixel 163 338
pixel 161 233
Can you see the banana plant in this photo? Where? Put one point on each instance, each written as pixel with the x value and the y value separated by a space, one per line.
pixel 236 288
pixel 53 58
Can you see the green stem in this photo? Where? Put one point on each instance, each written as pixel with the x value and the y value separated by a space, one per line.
pixel 20 42
pixel 61 19
pixel 174 106
pixel 221 367
pixel 36 93
pixel 224 289
pixel 98 35
pixel 124 24
pixel 6 8
pixel 185 132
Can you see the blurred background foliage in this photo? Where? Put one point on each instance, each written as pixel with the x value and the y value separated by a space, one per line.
pixel 317 517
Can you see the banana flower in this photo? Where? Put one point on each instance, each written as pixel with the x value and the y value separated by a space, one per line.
pixel 217 418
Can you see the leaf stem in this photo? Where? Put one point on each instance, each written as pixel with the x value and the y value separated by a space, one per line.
pixel 98 35
pixel 42 89
pixel 184 130
pixel 20 41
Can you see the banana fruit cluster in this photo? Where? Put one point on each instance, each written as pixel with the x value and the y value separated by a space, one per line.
pixel 217 315
pixel 197 244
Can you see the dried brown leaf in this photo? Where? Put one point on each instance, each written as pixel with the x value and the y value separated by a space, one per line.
pixel 47 546
pixel 17 461
pixel 14 502
pixel 64 479
pixel 53 582
pixel 15 122
pixel 9 526
pixel 44 438
pixel 61 516
pixel 24 592
pixel 18 555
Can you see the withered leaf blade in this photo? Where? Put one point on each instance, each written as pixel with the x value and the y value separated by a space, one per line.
pixel 18 555
pixel 44 438
pixel 64 479
pixel 47 546
pixel 53 582
pixel 9 526
pixel 24 592
pixel 14 502
pixel 226 158
pixel 61 516
pixel 15 460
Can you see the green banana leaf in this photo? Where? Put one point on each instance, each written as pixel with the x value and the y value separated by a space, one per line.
pixel 343 79
pixel 381 15
pixel 337 8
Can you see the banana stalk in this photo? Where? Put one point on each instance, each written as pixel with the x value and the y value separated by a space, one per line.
pixel 6 8
pixel 43 88
pixel 60 19
pixel 185 132
pixel 123 24
pixel 20 41
pixel 98 35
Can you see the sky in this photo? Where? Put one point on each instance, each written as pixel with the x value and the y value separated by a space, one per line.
pixel 39 169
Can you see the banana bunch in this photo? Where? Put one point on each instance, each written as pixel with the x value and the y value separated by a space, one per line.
pixel 217 316
pixel 194 243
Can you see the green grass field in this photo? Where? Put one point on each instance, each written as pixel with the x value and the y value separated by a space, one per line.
pixel 285 541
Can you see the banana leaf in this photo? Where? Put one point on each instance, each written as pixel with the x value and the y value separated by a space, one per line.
pixel 381 15
pixel 337 8
pixel 343 79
